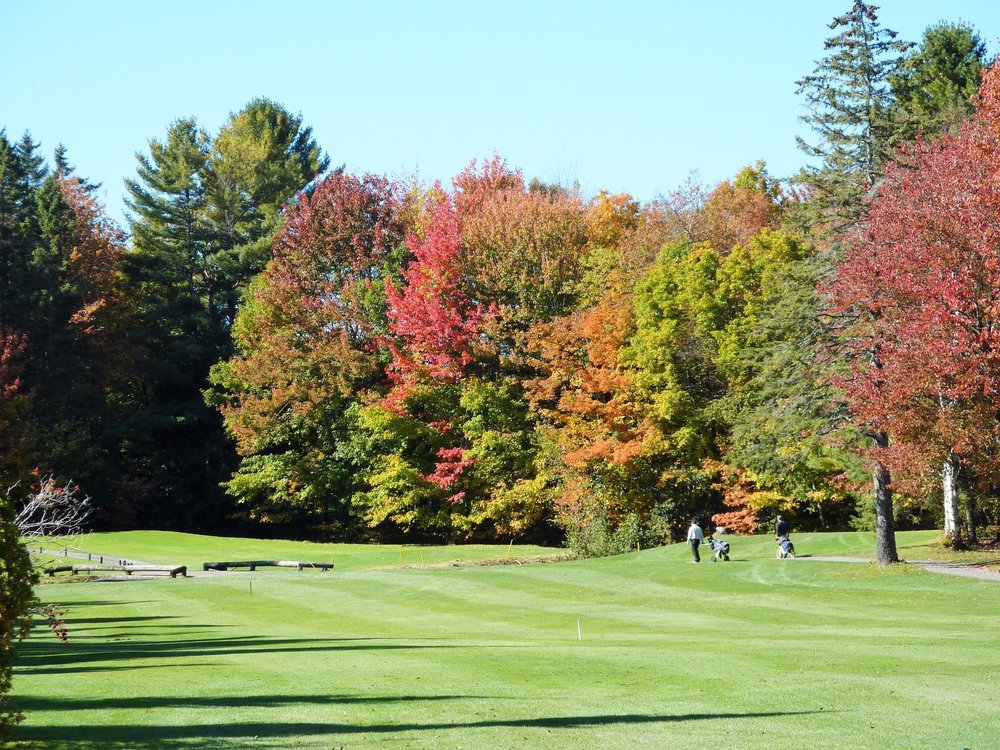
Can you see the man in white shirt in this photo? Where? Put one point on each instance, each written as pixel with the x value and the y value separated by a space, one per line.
pixel 695 536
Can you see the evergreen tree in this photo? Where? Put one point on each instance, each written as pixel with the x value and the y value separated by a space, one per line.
pixel 167 200
pixel 259 160
pixel 67 171
pixel 22 170
pixel 850 108
pixel 937 82
pixel 58 269
pixel 13 199
pixel 203 214
pixel 33 169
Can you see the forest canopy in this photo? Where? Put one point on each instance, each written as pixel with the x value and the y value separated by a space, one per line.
pixel 278 346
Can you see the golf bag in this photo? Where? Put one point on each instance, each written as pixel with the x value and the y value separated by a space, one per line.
pixel 720 549
pixel 785 547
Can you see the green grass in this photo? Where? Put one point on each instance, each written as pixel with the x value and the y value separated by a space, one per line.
pixel 751 654
pixel 167 547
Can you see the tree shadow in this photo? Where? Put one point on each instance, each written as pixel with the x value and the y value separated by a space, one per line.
pixel 123 620
pixel 38 653
pixel 278 735
pixel 105 603
pixel 21 703
pixel 110 668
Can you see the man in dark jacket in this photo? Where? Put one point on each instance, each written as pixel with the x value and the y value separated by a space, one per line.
pixel 781 528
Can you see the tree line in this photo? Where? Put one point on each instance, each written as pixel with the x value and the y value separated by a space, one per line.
pixel 280 346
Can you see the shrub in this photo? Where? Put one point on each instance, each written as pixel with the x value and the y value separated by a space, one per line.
pixel 596 537
pixel 17 600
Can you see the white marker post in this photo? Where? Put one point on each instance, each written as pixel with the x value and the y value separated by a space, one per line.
pixel 579 631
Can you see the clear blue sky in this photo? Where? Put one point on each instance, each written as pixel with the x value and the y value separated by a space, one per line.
pixel 626 95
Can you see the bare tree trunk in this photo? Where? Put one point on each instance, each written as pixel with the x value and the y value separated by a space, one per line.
pixel 949 484
pixel 885 528
pixel 970 521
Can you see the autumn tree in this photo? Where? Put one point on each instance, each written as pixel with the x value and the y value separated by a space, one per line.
pixel 734 211
pixel 630 386
pixel 612 221
pixel 452 441
pixel 14 454
pixel 594 423
pixel 306 349
pixel 523 247
pixel 932 321
pixel 432 321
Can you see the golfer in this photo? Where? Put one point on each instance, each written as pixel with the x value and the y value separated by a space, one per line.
pixel 695 536
pixel 781 528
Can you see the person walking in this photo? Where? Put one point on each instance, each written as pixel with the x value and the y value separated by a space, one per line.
pixel 781 528
pixel 695 535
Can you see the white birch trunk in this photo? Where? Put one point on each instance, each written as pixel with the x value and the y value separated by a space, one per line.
pixel 949 484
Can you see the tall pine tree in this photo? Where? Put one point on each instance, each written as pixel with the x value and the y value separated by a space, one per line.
pixel 849 102
pixel 204 211
pixel 935 86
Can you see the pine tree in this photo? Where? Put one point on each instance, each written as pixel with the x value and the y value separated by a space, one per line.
pixel 850 103
pixel 260 159
pixel 67 171
pixel 204 211
pixel 935 86
pixel 176 448
pixel 167 200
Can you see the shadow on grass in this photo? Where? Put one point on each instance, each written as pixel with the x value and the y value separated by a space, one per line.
pixel 121 620
pixel 79 604
pixel 38 654
pixel 280 734
pixel 235 701
pixel 111 668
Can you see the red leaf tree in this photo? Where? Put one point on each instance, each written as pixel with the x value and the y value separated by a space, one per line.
pixel 434 325
pixel 923 288
pixel 305 341
pixel 434 322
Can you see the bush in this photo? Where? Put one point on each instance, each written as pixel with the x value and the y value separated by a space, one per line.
pixel 597 538
pixel 17 600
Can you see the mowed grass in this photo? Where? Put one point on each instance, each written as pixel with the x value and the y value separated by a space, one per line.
pixel 192 550
pixel 639 651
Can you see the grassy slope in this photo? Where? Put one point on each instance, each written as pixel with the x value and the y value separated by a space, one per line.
pixel 194 549
pixel 755 653
pixel 169 547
